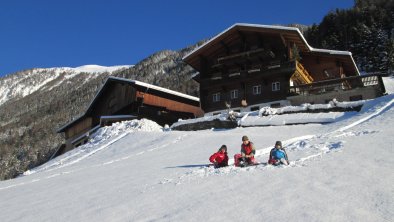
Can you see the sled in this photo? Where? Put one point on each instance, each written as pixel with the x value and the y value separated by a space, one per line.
pixel 237 163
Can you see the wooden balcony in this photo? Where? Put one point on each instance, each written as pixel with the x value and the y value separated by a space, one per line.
pixel 341 84
pixel 257 71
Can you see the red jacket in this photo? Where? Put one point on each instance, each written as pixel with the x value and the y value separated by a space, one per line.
pixel 248 149
pixel 219 157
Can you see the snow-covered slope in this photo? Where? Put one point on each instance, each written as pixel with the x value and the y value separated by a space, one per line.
pixel 99 69
pixel 137 171
pixel 27 82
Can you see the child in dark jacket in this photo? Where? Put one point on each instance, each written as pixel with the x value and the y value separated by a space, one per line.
pixel 278 155
pixel 220 158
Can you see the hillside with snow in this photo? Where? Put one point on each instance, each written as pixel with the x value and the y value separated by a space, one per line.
pixel 29 81
pixel 139 171
pixel 35 103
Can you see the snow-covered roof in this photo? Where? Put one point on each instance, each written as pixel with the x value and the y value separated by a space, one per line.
pixel 231 27
pixel 294 29
pixel 117 117
pixel 158 88
pixel 279 28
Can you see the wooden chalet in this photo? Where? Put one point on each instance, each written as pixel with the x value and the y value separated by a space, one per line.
pixel 121 99
pixel 250 66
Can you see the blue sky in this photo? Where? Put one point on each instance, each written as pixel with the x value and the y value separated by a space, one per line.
pixel 58 33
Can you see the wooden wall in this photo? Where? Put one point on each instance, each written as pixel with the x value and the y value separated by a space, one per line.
pixel 172 105
pixel 245 91
pixel 322 68
pixel 115 97
pixel 82 126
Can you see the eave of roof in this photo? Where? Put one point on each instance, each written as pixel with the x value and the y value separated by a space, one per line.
pixel 142 84
pixel 245 25
pixel 293 29
pixel 70 123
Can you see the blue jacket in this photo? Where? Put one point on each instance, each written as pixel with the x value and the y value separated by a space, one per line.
pixel 278 154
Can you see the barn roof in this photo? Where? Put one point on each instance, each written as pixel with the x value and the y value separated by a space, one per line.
pixel 138 84
pixel 292 34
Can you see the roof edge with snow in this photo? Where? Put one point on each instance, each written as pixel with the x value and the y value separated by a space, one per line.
pixel 294 29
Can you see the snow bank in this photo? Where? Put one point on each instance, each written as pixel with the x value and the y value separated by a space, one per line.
pixel 221 117
pixel 290 119
pixel 267 116
pixel 100 140
pixel 389 84
pixel 265 111
pixel 108 132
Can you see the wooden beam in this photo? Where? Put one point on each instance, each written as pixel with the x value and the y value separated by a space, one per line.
pixel 203 64
pixel 283 39
pixel 226 48
pixel 242 54
pixel 260 40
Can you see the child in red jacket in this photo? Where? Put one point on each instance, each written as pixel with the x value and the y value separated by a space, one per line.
pixel 220 158
pixel 246 158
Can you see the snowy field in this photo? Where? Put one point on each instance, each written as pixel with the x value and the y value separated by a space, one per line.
pixel 138 171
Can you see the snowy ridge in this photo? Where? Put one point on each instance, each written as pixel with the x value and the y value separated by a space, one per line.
pixel 100 69
pixel 27 82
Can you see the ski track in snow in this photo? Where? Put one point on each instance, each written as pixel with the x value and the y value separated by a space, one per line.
pixel 177 140
pixel 58 164
pixel 102 141
pixel 319 145
pixel 81 154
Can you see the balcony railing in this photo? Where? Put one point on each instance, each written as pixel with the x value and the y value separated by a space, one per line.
pixel 339 84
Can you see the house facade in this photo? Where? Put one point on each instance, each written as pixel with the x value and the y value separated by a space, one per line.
pixel 122 99
pixel 250 66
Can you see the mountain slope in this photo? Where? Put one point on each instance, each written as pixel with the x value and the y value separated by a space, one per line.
pixel 34 103
pixel 339 172
pixel 24 83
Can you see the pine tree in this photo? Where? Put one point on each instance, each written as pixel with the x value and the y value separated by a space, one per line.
pixel 366 30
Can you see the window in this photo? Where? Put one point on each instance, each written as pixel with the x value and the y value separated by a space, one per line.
pixel 234 94
pixel 356 98
pixel 257 90
pixel 254 108
pixel 275 86
pixel 275 105
pixel 216 97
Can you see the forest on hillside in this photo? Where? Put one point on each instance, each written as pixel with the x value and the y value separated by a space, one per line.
pixel 366 30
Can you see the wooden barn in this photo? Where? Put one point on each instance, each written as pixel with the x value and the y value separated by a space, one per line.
pixel 122 99
pixel 250 66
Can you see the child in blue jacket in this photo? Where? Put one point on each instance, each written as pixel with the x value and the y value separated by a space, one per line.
pixel 278 155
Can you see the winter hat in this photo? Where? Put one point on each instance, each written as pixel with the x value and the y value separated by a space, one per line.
pixel 278 143
pixel 244 138
pixel 223 147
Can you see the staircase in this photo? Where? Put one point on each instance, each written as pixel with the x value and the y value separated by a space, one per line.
pixel 301 75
